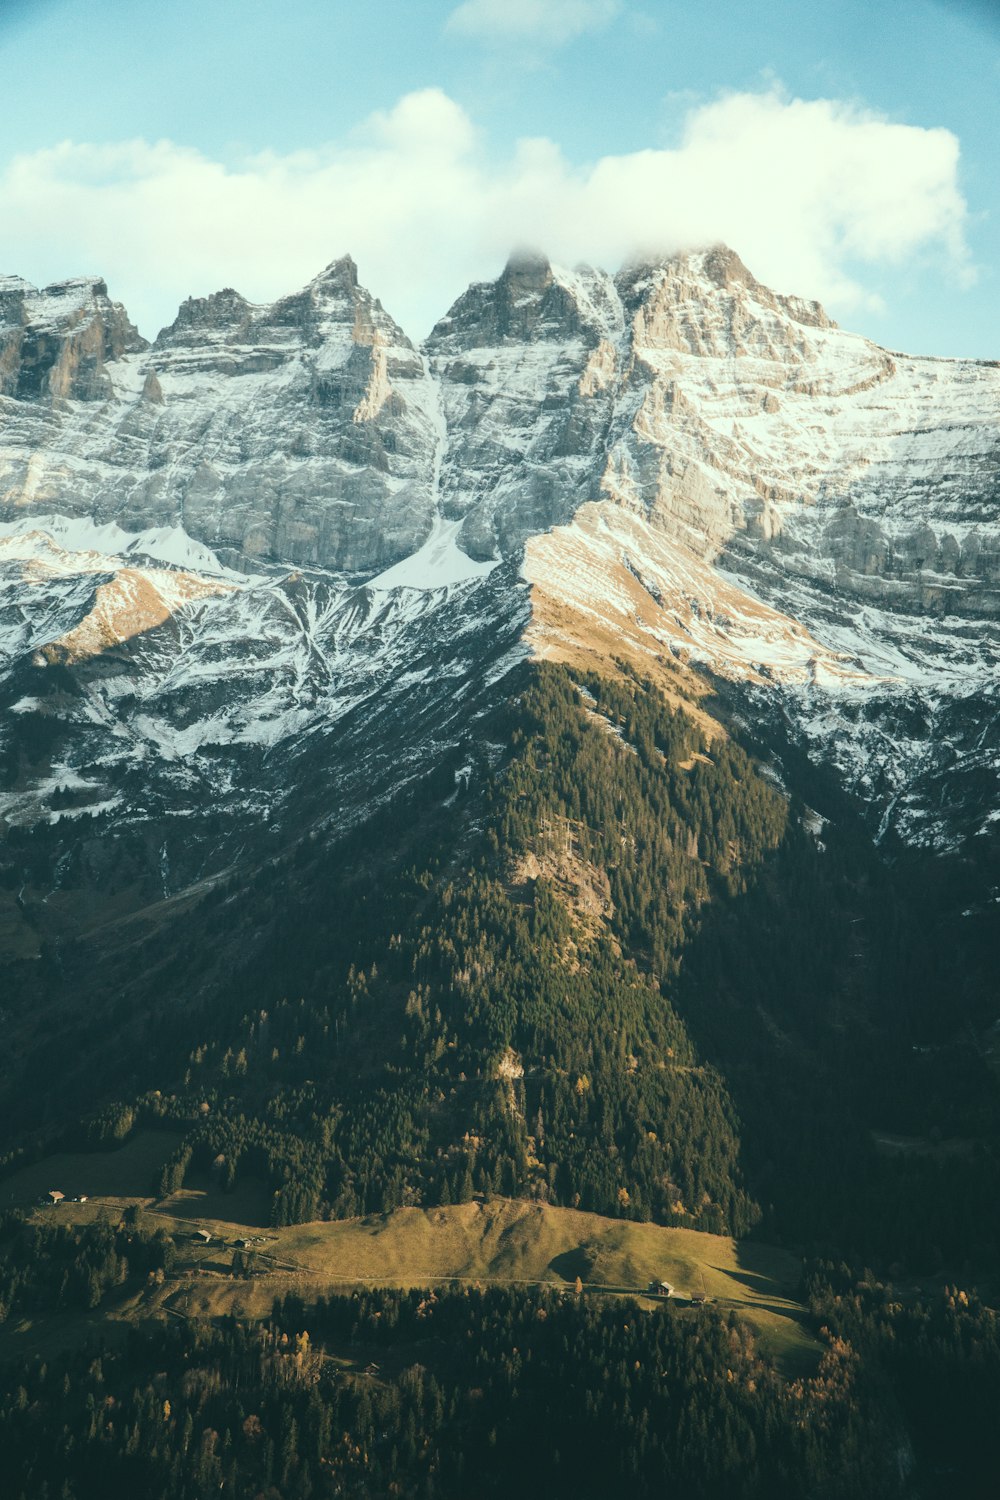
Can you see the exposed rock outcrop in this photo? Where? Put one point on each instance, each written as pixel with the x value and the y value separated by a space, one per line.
pixel 246 425
pixel 59 342
pixel 702 469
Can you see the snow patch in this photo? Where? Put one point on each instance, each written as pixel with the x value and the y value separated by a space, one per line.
pixel 169 545
pixel 439 563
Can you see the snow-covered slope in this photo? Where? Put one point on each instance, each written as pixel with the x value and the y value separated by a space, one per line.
pixel 283 538
pixel 160 693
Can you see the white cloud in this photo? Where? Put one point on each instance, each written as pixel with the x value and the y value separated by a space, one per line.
pixel 809 193
pixel 544 22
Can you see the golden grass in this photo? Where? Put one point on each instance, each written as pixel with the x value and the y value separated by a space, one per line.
pixel 503 1240
pixel 500 1241
pixel 559 632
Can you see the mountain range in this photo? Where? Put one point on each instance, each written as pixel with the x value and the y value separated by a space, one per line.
pixel 554 766
pixel 677 465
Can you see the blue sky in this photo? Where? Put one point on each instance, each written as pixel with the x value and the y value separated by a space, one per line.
pixel 846 150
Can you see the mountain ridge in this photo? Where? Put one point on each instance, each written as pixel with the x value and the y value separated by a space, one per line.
pixel 687 466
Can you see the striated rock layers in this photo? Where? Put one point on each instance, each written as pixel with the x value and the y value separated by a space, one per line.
pixel 306 431
pixel 686 466
pixel 313 432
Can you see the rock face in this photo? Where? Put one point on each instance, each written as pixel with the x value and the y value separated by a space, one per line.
pixel 304 432
pixel 59 343
pixel 526 368
pixel 312 432
pixel 687 465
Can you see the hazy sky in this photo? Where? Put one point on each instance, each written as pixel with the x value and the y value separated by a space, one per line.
pixel 847 150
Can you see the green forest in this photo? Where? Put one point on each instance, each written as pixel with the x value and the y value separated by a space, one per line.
pixel 491 1392
pixel 495 1042
pixel 711 1042
pixel 595 959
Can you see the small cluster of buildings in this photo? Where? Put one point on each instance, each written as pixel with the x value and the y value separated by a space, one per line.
pixel 664 1289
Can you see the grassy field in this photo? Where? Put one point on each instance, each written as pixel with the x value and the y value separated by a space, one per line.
pixel 497 1241
pixel 500 1241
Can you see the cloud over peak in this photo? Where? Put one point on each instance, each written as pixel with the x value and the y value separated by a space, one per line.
pixel 815 195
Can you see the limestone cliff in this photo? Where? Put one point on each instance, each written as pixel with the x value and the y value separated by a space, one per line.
pixel 688 466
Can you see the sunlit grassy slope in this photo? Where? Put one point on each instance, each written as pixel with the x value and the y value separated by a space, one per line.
pixel 500 1240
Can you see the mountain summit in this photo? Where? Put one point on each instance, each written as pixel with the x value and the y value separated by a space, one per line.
pixel 687 466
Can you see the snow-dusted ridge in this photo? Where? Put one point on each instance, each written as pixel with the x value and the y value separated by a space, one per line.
pixel 198 691
pixel 269 521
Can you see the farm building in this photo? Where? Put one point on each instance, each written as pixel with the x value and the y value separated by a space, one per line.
pixel 203 1235
pixel 55 1196
pixel 659 1289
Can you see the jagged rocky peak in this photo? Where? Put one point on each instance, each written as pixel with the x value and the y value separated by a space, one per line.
pixel 332 321
pixel 57 342
pixel 334 301
pixel 215 335
pixel 300 432
pixel 725 270
pixel 706 302
pixel 532 301
pixel 526 366
pixel 224 311
pixel 338 289
pixel 341 275
pixel 529 301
